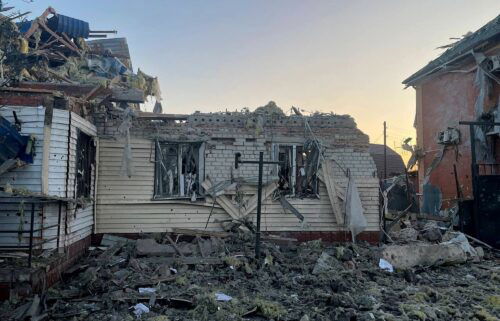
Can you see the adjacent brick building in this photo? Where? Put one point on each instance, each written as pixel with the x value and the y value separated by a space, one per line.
pixel 463 84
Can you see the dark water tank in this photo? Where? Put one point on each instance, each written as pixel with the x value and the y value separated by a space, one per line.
pixel 74 28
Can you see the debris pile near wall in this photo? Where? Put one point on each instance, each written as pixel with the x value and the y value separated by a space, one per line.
pixel 213 276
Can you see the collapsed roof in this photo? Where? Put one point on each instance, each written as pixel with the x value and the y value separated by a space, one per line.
pixel 51 49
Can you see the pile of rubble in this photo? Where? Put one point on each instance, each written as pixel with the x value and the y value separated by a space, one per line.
pixel 214 276
pixel 53 48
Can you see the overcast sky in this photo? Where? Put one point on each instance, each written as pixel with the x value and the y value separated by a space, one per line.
pixel 346 57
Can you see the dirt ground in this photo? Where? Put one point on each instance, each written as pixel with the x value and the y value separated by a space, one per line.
pixel 308 281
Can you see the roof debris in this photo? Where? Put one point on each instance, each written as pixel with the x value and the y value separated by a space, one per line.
pixel 52 49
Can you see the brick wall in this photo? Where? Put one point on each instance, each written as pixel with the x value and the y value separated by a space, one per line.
pixel 226 134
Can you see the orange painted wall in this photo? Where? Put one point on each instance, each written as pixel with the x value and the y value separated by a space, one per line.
pixel 446 100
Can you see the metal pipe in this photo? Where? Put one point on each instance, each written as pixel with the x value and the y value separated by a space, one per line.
pixel 259 206
pixel 44 228
pixel 457 184
pixel 474 176
pixel 59 224
pixel 479 123
pixel 261 163
pixel 103 31
pixel 385 150
pixel 31 234
pixel 97 36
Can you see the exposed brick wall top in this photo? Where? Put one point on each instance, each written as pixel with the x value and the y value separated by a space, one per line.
pixel 332 130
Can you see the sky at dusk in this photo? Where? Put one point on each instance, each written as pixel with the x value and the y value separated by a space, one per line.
pixel 346 57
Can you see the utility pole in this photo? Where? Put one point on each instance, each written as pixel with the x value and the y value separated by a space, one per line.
pixel 261 163
pixel 385 150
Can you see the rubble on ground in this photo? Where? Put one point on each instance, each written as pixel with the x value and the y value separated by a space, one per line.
pixel 203 277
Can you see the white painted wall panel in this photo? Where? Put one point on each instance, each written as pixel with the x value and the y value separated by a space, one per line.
pixel 124 205
pixel 79 223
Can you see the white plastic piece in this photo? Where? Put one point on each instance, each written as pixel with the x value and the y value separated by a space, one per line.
pixel 354 210
pixel 385 265
pixel 140 309
pixel 219 296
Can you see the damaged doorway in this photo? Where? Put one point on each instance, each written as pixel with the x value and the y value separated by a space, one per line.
pixel 178 168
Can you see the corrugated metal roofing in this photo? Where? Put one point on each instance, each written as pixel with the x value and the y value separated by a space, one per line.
pixel 487 32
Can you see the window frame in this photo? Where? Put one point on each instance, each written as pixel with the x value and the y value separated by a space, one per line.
pixel 200 170
pixel 83 183
pixel 294 169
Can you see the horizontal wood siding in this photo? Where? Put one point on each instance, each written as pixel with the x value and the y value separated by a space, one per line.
pixel 124 205
pixel 28 177
pixel 80 220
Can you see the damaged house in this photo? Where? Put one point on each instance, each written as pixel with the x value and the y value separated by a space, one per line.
pixel 78 158
pixel 161 172
pixel 50 83
pixel 458 162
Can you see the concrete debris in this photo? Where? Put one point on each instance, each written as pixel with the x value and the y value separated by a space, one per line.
pixel 405 235
pixel 456 250
pixel 308 281
pixel 112 240
pixel 151 247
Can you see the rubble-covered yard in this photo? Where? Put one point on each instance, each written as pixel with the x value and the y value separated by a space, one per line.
pixel 216 278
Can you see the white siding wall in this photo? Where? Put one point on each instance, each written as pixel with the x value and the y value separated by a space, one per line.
pixel 124 205
pixel 80 222
pixel 27 177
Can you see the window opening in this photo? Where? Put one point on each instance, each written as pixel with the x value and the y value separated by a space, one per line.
pixel 178 170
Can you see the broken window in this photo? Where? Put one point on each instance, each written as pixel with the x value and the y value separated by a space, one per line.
pixel 297 171
pixel 178 170
pixel 85 161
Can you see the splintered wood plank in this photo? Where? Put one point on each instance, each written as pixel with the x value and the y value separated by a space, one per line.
pixel 224 202
pixel 266 192
pixel 327 170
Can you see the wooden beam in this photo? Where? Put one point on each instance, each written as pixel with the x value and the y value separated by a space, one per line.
pixel 93 93
pixel 60 77
pixel 47 132
pixel 266 192
pixel 147 115
pixel 59 38
pixel 10 164
pixel 36 23
pixel 224 202
pixel 340 192
pixel 192 232
pixel 327 168
pixel 286 205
